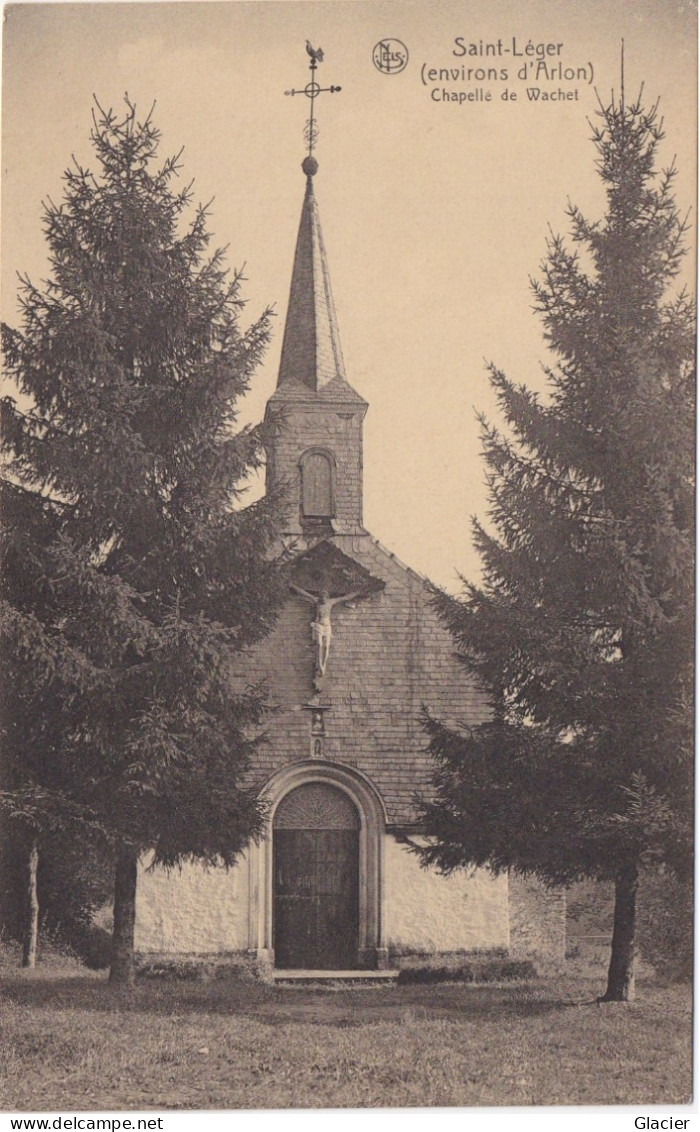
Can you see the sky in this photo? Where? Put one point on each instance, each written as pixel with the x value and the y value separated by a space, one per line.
pixel 435 211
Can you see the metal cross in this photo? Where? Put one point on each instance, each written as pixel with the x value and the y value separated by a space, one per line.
pixel 312 90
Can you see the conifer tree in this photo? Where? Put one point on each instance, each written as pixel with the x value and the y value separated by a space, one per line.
pixel 582 629
pixel 44 674
pixel 135 576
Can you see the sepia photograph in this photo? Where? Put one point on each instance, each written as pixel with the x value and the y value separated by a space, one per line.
pixel 348 558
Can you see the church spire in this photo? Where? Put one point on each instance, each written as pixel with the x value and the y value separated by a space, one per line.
pixel 315 450
pixel 311 353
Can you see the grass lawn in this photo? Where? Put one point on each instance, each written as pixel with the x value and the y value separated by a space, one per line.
pixel 72 1043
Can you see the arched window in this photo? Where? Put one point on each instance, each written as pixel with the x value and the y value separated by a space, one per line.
pixel 317 485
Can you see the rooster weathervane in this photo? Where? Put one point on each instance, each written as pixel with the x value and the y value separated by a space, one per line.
pixel 312 91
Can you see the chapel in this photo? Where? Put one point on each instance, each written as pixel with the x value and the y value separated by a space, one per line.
pixel 356 652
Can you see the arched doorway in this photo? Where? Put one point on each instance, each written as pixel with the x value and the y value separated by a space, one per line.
pixel 316 885
pixel 261 877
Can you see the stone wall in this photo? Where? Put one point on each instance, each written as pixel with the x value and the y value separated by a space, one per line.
pixel 199 911
pixel 192 909
pixel 426 913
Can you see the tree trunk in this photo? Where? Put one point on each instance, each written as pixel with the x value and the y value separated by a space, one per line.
pixel 31 921
pixel 620 986
pixel 122 967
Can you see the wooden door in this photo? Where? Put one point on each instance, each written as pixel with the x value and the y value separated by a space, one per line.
pixel 316 880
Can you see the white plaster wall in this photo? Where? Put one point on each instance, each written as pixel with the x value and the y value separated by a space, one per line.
pixel 192 909
pixel 424 911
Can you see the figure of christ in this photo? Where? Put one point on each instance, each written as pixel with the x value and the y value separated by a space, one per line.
pixel 321 629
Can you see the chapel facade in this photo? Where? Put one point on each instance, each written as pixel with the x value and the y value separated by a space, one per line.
pixel 357 651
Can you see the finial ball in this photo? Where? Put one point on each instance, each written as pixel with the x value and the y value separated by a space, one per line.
pixel 310 166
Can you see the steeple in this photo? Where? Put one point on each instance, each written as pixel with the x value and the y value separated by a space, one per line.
pixel 316 450
pixel 311 353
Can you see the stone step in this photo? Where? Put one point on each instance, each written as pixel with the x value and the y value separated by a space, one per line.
pixel 363 978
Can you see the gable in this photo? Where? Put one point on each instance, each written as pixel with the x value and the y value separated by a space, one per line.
pixel 326 567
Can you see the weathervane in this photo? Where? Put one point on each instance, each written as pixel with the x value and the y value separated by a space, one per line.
pixel 312 90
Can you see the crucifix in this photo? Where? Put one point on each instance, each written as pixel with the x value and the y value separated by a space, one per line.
pixel 321 628
pixel 312 91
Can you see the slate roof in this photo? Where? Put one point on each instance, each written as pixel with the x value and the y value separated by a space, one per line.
pixel 312 360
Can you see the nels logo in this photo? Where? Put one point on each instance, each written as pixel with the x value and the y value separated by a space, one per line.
pixel 390 56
